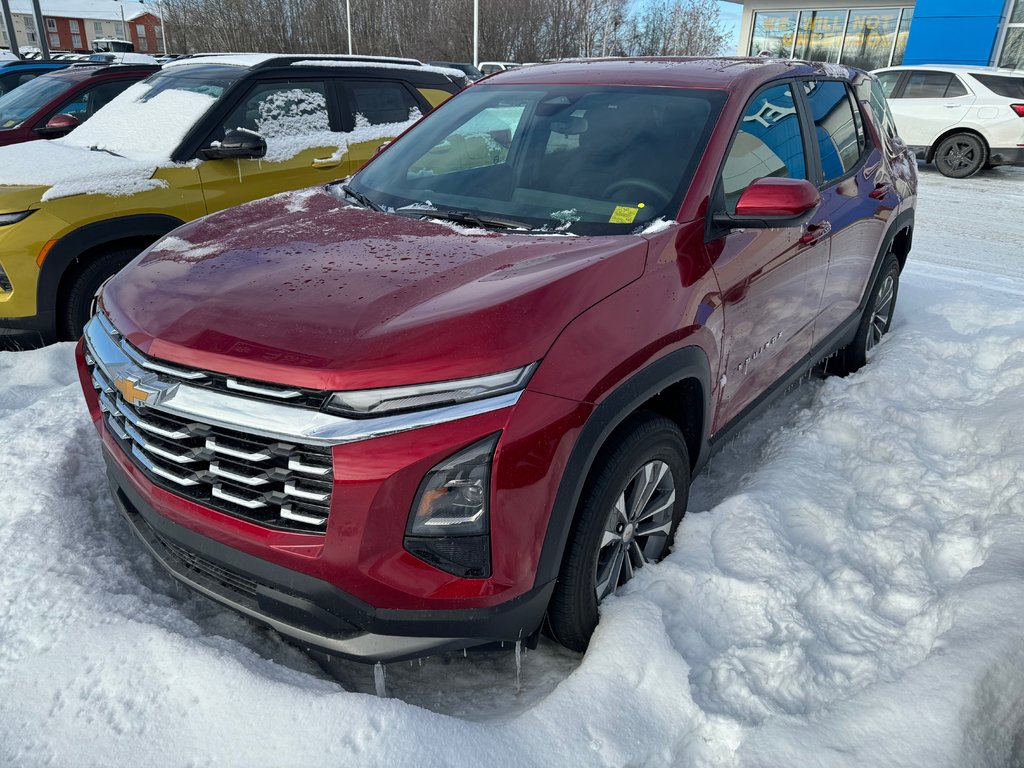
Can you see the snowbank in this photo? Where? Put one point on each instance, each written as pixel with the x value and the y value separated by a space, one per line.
pixel 845 592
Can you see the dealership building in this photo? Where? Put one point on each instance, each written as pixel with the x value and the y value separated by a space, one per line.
pixel 873 35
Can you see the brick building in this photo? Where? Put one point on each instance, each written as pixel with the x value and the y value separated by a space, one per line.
pixel 73 25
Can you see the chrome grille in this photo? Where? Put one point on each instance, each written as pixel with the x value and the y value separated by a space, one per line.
pixel 270 482
pixel 297 397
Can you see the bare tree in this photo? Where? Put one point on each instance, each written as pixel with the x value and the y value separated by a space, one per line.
pixel 510 30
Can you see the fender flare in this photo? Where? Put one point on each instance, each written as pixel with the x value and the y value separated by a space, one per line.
pixel 66 250
pixel 677 366
pixel 904 221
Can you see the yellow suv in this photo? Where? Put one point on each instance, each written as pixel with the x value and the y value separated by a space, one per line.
pixel 201 135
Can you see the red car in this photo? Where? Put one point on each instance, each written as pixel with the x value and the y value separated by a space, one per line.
pixel 54 104
pixel 461 397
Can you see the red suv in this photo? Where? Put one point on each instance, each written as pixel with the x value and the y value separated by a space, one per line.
pixel 461 396
pixel 54 104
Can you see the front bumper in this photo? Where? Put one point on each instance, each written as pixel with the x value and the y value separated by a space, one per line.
pixel 28 332
pixel 310 611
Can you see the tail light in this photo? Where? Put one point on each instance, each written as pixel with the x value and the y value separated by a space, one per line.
pixel 1018 108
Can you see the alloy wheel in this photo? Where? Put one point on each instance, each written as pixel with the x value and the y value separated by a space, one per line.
pixel 882 312
pixel 637 528
pixel 959 156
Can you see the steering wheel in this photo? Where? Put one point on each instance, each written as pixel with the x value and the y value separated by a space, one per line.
pixel 636 182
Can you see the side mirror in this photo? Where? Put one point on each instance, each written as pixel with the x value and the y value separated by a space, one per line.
pixel 771 202
pixel 59 125
pixel 237 144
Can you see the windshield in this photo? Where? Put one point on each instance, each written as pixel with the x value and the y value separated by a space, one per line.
pixel 23 102
pixel 590 160
pixel 150 119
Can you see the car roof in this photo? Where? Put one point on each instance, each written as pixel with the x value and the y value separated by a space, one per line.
pixel 255 61
pixel 958 68
pixel 683 71
pixel 86 70
pixel 18 64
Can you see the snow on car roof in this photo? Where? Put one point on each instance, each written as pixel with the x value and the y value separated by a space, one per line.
pixel 247 60
pixel 382 64
pixel 252 60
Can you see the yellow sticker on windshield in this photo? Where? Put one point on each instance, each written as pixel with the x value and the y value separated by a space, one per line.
pixel 623 215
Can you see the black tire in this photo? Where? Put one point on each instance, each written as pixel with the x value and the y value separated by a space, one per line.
pixel 78 296
pixel 645 440
pixel 961 155
pixel 876 320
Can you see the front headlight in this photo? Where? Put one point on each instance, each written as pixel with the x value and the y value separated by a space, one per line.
pixel 450 521
pixel 367 403
pixel 13 218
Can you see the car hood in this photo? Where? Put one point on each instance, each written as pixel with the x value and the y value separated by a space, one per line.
pixel 63 170
pixel 19 198
pixel 305 290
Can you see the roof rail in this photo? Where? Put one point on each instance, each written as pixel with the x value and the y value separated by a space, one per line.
pixel 293 57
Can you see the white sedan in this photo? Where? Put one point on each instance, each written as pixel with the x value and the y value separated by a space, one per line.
pixel 962 119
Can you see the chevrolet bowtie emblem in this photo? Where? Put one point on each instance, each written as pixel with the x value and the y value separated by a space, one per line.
pixel 139 387
pixel 130 391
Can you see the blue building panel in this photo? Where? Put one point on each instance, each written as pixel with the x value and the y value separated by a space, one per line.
pixel 954 32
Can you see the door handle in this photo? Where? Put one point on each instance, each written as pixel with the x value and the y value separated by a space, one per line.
pixel 952 106
pixel 326 162
pixel 814 232
pixel 880 191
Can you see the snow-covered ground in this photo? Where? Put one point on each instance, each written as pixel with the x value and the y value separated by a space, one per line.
pixel 848 589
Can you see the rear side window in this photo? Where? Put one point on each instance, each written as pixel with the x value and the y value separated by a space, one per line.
pixel 381 102
pixel 837 132
pixel 880 108
pixel 1008 87
pixel 888 81
pixel 768 143
pixel 932 85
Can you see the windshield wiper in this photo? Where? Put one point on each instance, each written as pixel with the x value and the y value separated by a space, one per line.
pixel 465 217
pixel 100 149
pixel 360 198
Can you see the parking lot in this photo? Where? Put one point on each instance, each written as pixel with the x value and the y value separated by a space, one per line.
pixel 843 592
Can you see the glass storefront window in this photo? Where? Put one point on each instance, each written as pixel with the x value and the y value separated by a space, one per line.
pixel 1013 48
pixel 870 36
pixel 819 35
pixel 902 35
pixel 865 38
pixel 773 34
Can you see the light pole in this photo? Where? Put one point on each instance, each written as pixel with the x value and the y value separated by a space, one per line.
pixel 9 24
pixel 348 24
pixel 476 33
pixel 163 24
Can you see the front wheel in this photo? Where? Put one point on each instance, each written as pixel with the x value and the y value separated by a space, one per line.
pixel 876 320
pixel 960 156
pixel 80 293
pixel 631 505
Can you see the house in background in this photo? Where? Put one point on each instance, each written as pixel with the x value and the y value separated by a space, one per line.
pixel 870 35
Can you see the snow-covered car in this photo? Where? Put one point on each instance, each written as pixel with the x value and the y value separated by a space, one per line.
pixel 200 135
pixel 7 56
pixel 962 119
